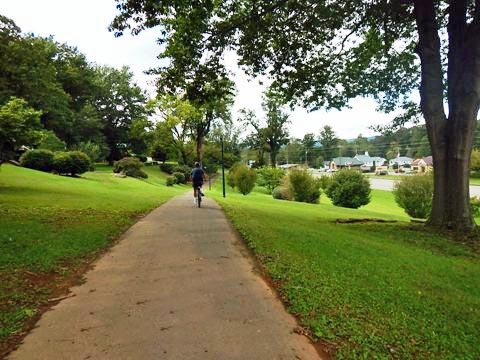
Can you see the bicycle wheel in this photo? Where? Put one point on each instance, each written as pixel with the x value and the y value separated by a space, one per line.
pixel 199 197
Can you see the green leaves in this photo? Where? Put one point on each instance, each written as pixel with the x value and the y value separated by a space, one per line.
pixel 19 125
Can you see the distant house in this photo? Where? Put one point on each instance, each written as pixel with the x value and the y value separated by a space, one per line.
pixel 345 162
pixel 423 165
pixel 369 161
pixel 401 161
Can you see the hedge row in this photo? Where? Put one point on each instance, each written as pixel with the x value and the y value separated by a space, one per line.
pixel 64 162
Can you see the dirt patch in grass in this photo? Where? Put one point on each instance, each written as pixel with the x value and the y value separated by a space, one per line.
pixel 365 220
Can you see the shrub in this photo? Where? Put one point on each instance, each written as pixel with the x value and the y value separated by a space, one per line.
pixel 71 163
pixel 231 175
pixel 142 158
pixel 282 193
pixel 184 169
pixel 170 181
pixel 349 188
pixel 179 177
pixel 130 166
pixel 324 181
pixel 167 167
pixel 475 205
pixel 245 179
pixel 414 194
pixel 38 160
pixel 303 186
pixel 270 178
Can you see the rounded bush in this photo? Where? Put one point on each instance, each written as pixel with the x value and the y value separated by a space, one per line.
pixel 179 177
pixel 282 193
pixel 414 194
pixel 38 160
pixel 167 167
pixel 183 169
pixel 245 179
pixel 303 186
pixel 170 181
pixel 71 163
pixel 130 166
pixel 349 188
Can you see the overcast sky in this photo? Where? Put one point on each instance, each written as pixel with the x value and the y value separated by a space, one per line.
pixel 84 24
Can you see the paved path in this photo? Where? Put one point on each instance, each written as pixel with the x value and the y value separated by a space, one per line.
pixel 387 184
pixel 178 286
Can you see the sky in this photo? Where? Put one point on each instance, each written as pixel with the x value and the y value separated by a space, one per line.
pixel 84 24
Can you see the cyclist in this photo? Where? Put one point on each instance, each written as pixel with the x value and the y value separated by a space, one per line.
pixel 197 175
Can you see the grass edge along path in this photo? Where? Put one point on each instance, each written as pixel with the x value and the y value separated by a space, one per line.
pixel 54 227
pixel 369 290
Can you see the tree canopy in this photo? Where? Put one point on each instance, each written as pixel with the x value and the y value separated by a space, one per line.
pixel 323 53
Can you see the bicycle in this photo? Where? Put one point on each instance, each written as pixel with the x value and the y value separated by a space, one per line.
pixel 199 195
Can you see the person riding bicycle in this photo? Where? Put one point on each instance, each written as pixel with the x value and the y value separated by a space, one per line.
pixel 197 175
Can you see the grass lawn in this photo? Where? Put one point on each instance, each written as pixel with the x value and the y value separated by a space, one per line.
pixel 52 225
pixel 371 290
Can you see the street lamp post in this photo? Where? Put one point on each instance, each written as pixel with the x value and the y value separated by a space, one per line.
pixel 223 170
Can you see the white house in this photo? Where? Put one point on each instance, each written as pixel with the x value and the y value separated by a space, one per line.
pixel 370 161
pixel 401 161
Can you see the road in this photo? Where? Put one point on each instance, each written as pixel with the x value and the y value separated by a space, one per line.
pixel 386 184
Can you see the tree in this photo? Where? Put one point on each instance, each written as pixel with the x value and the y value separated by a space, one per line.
pixel 118 102
pixel 323 53
pixel 256 140
pixel 271 135
pixel 275 133
pixel 19 125
pixel 329 142
pixel 308 142
pixel 178 119
pixel 140 136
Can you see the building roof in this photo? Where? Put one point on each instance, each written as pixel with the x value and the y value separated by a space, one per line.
pixel 428 160
pixel 402 159
pixel 366 159
pixel 346 161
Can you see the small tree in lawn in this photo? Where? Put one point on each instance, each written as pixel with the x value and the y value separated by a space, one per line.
pixel 245 179
pixel 414 194
pixel 349 188
pixel 19 125
pixel 270 177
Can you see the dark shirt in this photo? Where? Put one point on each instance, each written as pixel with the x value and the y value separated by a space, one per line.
pixel 197 175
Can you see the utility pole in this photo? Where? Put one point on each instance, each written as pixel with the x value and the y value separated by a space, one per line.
pixel 223 170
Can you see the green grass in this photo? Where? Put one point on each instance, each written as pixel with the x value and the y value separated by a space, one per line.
pixel 51 224
pixel 373 290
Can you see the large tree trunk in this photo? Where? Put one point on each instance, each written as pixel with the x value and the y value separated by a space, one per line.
pixel 199 148
pixel 273 159
pixel 451 199
pixel 450 138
